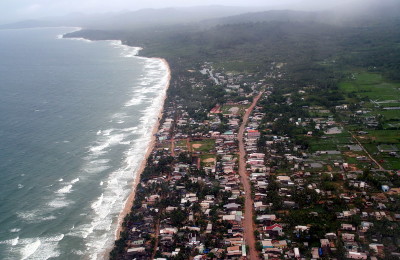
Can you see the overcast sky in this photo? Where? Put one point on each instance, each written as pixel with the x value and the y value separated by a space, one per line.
pixel 14 10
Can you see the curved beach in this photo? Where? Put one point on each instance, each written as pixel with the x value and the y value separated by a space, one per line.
pixel 129 201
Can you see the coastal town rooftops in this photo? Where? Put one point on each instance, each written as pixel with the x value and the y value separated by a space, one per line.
pixel 274 227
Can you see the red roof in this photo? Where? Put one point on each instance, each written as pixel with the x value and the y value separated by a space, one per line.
pixel 273 227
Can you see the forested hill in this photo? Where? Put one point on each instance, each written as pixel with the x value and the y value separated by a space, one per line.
pixel 303 45
pixel 139 19
pixel 359 14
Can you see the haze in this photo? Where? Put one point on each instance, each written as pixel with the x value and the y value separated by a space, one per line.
pixel 16 10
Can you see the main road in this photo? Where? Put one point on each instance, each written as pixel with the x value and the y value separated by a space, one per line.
pixel 248 223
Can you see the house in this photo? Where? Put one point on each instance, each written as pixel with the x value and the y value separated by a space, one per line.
pixel 365 226
pixel 153 198
pixel 231 218
pixel 232 206
pixel 280 244
pixel 348 237
pixel 267 243
pixel 228 135
pixel 331 236
pixel 263 218
pixel 253 134
pixel 347 227
pixel 378 248
pixel 276 228
pixel 315 252
pixel 169 231
pixel 296 252
pixel 209 228
pixel 259 206
pixel 283 179
pixel 354 148
pixel 136 250
pixel 324 242
pixel 356 255
pixel 137 242
pixel 385 188
pixel 301 228
pixel 234 251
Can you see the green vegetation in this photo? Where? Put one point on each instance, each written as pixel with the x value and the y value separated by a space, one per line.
pixel 371 85
pixel 227 109
pixel 181 143
pixel 207 156
pixel 203 146
pixel 330 142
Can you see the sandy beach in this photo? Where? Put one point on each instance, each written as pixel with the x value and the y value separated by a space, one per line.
pixel 129 202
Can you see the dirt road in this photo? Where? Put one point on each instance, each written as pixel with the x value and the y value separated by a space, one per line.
pixel 248 223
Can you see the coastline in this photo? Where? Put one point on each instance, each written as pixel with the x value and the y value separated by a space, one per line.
pixel 129 201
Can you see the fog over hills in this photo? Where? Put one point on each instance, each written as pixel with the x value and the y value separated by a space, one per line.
pixel 138 19
pixel 208 16
pixel 214 15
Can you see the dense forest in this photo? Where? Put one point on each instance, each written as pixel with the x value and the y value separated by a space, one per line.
pixel 313 50
pixel 315 53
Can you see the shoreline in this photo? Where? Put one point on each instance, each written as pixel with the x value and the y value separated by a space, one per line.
pixel 129 201
pixel 131 197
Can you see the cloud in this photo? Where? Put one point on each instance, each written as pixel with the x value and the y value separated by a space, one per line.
pixel 30 9
pixel 25 9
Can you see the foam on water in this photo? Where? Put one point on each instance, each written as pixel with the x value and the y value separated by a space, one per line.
pixel 99 216
pixel 12 242
pixel 96 169
pixel 44 213
pixel 30 249
pixel 40 248
pixel 95 205
pixel 28 216
pixel 65 189
pixel 116 188
pixel 126 51
pixel 110 140
pixel 106 132
pixel 75 180
pixel 135 101
pixel 57 204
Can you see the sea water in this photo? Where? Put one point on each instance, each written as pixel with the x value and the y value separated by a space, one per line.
pixel 75 122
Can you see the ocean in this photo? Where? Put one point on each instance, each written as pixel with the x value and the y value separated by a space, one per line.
pixel 75 122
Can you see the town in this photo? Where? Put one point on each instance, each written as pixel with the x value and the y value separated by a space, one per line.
pixel 260 173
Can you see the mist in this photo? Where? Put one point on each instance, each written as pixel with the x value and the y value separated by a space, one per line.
pixel 123 13
pixel 11 10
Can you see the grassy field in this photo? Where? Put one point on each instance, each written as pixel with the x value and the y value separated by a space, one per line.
pixel 242 109
pixel 207 156
pixel 372 86
pixel 383 93
pixel 208 159
pixel 203 146
pixel 390 104
pixel 385 136
pixel 375 87
pixel 388 114
pixel 387 161
pixel 332 142
pixel 181 143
